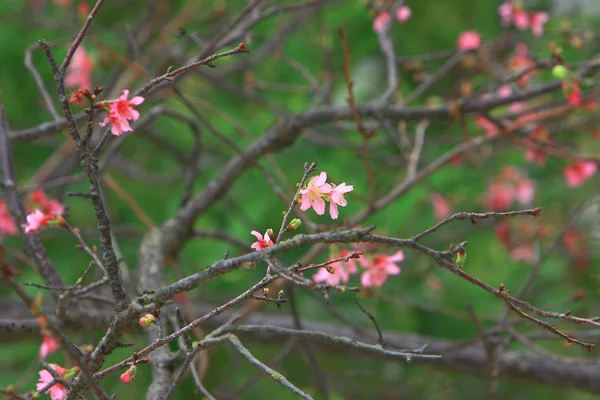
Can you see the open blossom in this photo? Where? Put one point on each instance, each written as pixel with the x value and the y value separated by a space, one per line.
pixel 57 391
pixel 379 268
pixel 53 207
pixel 263 241
pixel 79 72
pixel 579 172
pixel 49 346
pixel 35 220
pixel 337 198
pixel 538 19
pixel 520 62
pixel 7 225
pixel 468 40
pixel 343 270
pixel 441 206
pixel 491 129
pixel 380 21
pixel 120 111
pixel 514 14
pixel 315 193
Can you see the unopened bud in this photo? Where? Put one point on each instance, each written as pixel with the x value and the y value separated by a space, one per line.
pixel 293 225
pixel 280 294
pixel 265 292
pixel 147 320
pixel 461 257
pixel 129 375
pixel 560 71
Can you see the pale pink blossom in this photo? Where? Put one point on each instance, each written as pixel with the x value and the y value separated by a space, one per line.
pixel 524 252
pixel 377 270
pixel 506 13
pixel 79 72
pixel 57 391
pixel 380 21
pixel 35 220
pixel 499 197
pixel 538 19
pixel 7 225
pixel 343 270
pixel 441 206
pixel 579 172
pixel 468 40
pixel 403 14
pixel 337 198
pixel 120 111
pixel 49 346
pixel 504 90
pixel 315 193
pixel 263 241
pixel 525 191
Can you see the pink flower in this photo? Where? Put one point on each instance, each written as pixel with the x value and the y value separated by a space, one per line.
pixel 263 242
pixel 506 13
pixel 499 197
pixel 53 207
pixel 525 191
pixel 7 225
pixel 521 19
pixel 129 375
pixel 490 128
pixel 380 21
pixel 121 110
pixel 468 40
pixel 379 268
pixel 57 391
pixel 83 9
pixel 441 206
pixel 79 72
pixel 337 198
pixel 504 90
pixel 538 19
pixel 574 94
pixel 524 252
pixel 343 270
pixel 315 192
pixel 49 346
pixel 579 172
pixel 35 220
pixel 403 14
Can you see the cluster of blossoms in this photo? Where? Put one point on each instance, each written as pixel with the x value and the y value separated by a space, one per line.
pixel 42 212
pixel 579 172
pixel 318 191
pixel 120 111
pixel 510 185
pixel 382 19
pixel 57 391
pixel 512 13
pixel 377 268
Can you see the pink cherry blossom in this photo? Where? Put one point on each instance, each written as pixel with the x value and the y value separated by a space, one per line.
pixel 441 206
pixel 538 19
pixel 499 197
pixel 337 198
pixel 506 13
pixel 57 391
pixel 490 128
pixel 403 14
pixel 35 220
pixel 53 207
pixel 79 72
pixel 521 19
pixel 7 225
pixel 579 172
pixel 380 21
pixel 525 191
pixel 262 242
pixel 129 375
pixel 49 346
pixel 378 269
pixel 315 193
pixel 524 252
pixel 504 90
pixel 121 110
pixel 468 40
pixel 343 270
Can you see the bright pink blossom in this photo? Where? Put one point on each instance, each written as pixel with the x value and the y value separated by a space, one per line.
pixel 129 375
pixel 7 225
pixel 579 172
pixel 57 391
pixel 337 198
pixel 378 269
pixel 49 346
pixel 468 40
pixel 383 18
pixel 538 19
pixel 53 207
pixel 262 242
pixel 521 19
pixel 35 220
pixel 120 111
pixel 79 72
pixel 441 206
pixel 403 14
pixel 315 193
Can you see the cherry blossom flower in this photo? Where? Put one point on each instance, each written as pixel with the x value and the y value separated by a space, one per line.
pixel 504 90
pixel 491 129
pixel 337 198
pixel 525 191
pixel 7 225
pixel 521 19
pixel 506 13
pixel 579 172
pixel 315 193
pixel 403 14
pixel 57 391
pixel 572 93
pixel 520 62
pixel 79 72
pixel 499 197
pixel 525 252
pixel 468 40
pixel 49 346
pixel 537 20
pixel 35 220
pixel 129 375
pixel 441 206
pixel 378 269
pixel 262 242
pixel 343 270
pixel 120 111
pixel 53 207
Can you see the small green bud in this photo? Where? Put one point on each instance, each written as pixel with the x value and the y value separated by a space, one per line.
pixel 560 71
pixel 461 257
pixel 293 225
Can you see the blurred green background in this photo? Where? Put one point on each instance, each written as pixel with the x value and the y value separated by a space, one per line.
pixel 423 299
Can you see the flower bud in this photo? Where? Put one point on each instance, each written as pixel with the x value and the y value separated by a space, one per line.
pixel 293 225
pixel 147 320
pixel 129 375
pixel 461 257
pixel 560 71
